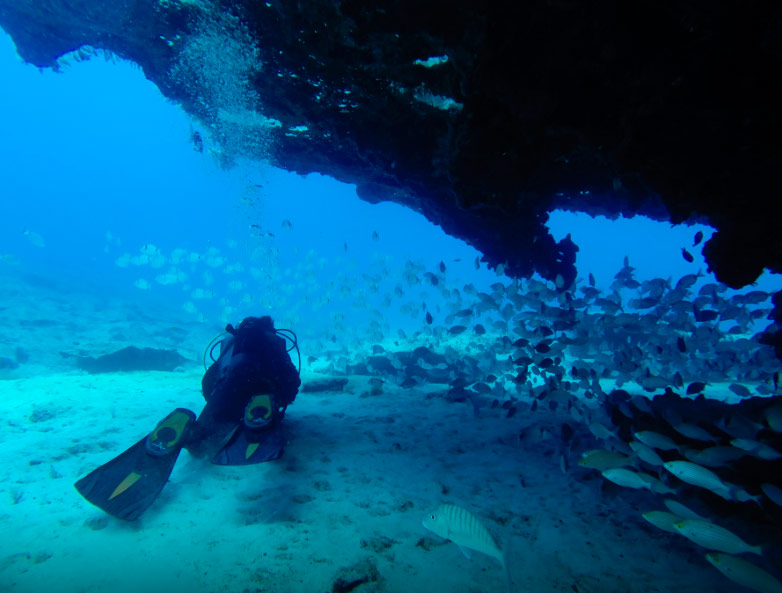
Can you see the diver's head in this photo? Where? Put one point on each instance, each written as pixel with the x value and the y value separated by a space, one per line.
pixel 264 323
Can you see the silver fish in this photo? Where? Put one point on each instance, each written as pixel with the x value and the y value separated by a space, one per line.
pixel 745 573
pixel 711 536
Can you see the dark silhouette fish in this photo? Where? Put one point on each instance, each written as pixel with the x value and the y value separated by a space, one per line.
pixel 698 238
pixel 705 314
pixel 739 390
pixel 644 303
pixel 696 387
pixel 686 281
pixel 687 256
pixel 432 278
pixel 754 297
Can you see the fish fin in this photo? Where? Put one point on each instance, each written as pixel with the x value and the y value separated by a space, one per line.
pixel 738 494
pixel 466 552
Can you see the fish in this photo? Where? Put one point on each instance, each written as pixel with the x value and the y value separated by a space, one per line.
pixel 744 573
pixel 646 453
pixel 757 449
pixel 714 456
pixel 687 256
pixel 34 238
pixel 739 427
pixel 662 520
pixel 697 239
pixel 773 493
pixel 694 432
pixel 696 387
pixel 642 404
pixel 678 508
pixel 713 537
pixel 659 487
pixel 628 478
pixel 429 318
pixel 696 475
pixel 687 281
pixel 702 315
pixel 9 259
pixel 773 416
pixel 460 526
pixel 601 460
pixel 601 432
pixel 534 434
pixel 655 440
pixel 739 390
pixel 258 231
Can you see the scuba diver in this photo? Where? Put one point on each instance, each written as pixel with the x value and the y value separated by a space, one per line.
pixel 247 390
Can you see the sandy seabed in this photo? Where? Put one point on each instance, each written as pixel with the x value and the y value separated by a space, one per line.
pixel 358 474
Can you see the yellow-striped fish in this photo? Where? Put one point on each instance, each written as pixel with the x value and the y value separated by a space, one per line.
pixel 703 478
pixel 662 520
pixel 678 508
pixel 466 531
pixel 745 573
pixel 601 460
pixel 713 537
pixel 628 478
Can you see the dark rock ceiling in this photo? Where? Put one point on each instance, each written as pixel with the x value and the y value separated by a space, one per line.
pixel 671 110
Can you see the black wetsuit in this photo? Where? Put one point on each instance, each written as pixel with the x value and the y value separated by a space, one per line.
pixel 253 360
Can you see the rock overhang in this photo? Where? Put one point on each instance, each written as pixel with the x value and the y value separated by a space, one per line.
pixel 482 118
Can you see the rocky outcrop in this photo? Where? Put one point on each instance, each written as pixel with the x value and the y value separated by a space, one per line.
pixel 483 117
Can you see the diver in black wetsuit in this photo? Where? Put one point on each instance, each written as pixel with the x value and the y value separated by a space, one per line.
pixel 247 390
pixel 253 380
